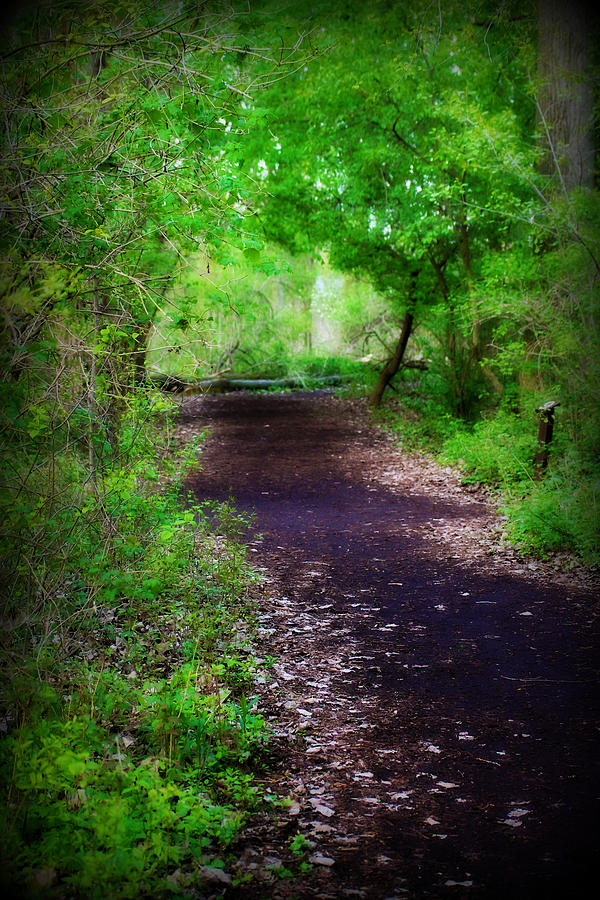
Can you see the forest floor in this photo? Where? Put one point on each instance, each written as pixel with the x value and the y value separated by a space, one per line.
pixel 434 695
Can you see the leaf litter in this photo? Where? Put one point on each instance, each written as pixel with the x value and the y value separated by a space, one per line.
pixel 360 730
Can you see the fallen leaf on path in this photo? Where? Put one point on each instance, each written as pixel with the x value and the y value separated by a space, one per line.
pixel 517 813
pixel 210 874
pixel 323 810
pixel 322 828
pixel 319 860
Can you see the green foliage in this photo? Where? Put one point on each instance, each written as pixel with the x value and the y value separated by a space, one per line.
pixel 414 430
pixel 114 774
pixel 420 412
pixel 558 513
pixel 561 512
pixel 171 201
pixel 132 740
pixel 249 321
pixel 299 844
pixel 360 160
pixel 100 820
pixel 498 450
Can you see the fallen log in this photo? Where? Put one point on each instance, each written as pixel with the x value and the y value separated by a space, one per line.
pixel 223 385
pixel 421 364
pixel 220 385
pixel 168 383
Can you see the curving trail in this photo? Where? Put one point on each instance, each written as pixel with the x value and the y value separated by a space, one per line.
pixel 437 704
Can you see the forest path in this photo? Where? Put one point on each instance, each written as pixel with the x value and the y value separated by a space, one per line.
pixel 435 695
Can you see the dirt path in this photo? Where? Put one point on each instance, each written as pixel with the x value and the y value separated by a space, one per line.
pixel 436 696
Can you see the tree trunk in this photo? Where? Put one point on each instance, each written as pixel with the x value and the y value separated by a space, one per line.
pixel 393 364
pixel 91 391
pixel 139 356
pixel 450 336
pixel 566 32
pixel 464 247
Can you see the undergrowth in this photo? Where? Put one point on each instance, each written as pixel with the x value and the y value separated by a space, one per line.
pixel 131 736
pixel 559 512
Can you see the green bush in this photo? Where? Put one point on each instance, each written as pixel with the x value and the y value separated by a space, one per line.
pixel 497 450
pixel 85 813
pixel 561 512
pixel 420 422
pixel 131 745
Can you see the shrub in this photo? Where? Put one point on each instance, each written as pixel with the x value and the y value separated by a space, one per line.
pixel 561 512
pixel 497 450
pixel 131 744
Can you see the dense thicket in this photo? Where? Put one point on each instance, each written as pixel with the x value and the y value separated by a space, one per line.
pixel 125 658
